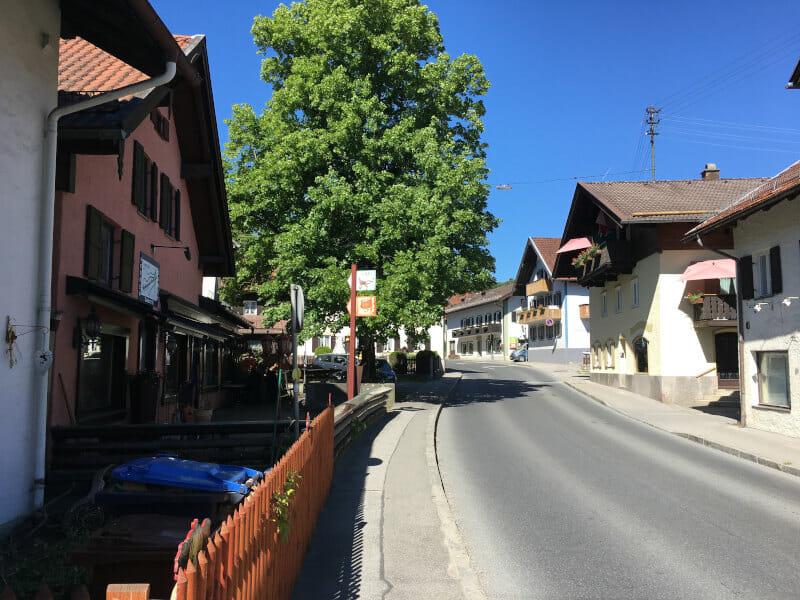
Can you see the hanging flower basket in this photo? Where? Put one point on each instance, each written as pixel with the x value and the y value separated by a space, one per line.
pixel 695 297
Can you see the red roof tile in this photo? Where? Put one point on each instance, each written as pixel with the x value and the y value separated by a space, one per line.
pixel 769 192
pixel 547 247
pixel 85 68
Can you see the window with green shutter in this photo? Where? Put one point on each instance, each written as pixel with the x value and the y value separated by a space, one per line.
pixel 153 200
pixel 140 179
pixel 92 242
pixel 176 216
pixel 126 253
pixel 165 209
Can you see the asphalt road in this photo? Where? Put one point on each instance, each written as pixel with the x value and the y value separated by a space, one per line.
pixel 557 496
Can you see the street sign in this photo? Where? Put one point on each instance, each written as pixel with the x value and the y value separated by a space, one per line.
pixel 298 307
pixel 365 281
pixel 366 306
pixel 549 322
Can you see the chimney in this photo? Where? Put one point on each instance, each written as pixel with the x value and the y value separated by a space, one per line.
pixel 710 172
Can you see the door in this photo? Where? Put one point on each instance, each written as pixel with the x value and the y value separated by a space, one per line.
pixel 101 379
pixel 727 352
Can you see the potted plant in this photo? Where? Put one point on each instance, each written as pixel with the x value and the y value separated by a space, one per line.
pixel 695 297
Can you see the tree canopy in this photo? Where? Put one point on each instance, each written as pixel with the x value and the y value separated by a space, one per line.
pixel 368 151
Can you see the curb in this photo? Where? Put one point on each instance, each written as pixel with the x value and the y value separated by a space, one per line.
pixel 760 460
pixel 460 566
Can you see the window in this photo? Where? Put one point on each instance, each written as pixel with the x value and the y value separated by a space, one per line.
pixel 532 333
pixel 250 307
pixel 604 312
pixel 541 332
pixel 170 214
pixel 513 316
pixel 480 320
pixel 140 185
pixel 325 340
pixel 161 123
pixel 104 275
pixel 557 329
pixel 640 351
pixel 147 345
pixel 211 363
pixel 549 330
pixel 635 293
pixel 773 378
pixel 763 277
pixel 596 356
pixel 99 252
pixel 618 293
pixel 610 350
pixel 557 299
pixel 102 376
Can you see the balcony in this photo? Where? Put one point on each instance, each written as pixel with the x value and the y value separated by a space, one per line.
pixel 540 286
pixel 613 259
pixel 715 311
pixel 539 315
pixel 583 311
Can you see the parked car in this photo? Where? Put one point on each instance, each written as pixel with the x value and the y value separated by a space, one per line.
pixel 335 363
pixel 519 355
pixel 385 371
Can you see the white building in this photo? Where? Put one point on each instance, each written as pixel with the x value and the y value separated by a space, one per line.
pixel 645 334
pixel 556 311
pixel 483 325
pixel 766 230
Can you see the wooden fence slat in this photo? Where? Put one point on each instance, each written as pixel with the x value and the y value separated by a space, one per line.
pixel 129 591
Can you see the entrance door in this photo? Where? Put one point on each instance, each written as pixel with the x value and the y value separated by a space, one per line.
pixel 101 379
pixel 727 352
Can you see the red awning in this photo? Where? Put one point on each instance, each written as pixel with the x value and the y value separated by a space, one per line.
pixel 575 244
pixel 724 268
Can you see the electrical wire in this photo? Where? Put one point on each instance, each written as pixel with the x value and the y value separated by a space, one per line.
pixel 729 124
pixel 576 178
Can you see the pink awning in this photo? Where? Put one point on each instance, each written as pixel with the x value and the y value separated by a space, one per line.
pixel 575 244
pixel 724 268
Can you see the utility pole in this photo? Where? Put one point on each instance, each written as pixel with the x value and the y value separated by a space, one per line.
pixel 652 121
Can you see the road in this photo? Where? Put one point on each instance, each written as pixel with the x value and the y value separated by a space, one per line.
pixel 557 496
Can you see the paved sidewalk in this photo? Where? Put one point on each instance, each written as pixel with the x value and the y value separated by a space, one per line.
pixel 385 530
pixel 722 433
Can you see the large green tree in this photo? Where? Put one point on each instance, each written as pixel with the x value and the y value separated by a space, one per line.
pixel 368 151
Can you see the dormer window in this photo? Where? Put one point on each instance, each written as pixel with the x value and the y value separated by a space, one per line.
pixel 250 307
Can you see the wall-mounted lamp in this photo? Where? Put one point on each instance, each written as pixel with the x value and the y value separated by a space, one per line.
pixel 788 300
pixel 171 342
pixel 759 305
pixel 87 330
pixel 186 251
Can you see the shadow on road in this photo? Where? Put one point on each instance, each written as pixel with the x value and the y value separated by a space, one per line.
pixel 492 390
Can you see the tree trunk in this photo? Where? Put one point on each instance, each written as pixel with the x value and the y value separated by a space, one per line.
pixel 368 359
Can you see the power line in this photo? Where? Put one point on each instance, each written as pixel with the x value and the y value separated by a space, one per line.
pixel 509 185
pixel 729 124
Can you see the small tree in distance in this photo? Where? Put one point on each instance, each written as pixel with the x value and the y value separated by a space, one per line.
pixel 367 152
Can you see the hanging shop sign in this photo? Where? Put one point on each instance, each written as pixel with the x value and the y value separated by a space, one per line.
pixel 366 306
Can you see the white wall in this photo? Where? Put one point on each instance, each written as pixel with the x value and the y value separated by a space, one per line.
pixel 575 330
pixel 775 326
pixel 28 91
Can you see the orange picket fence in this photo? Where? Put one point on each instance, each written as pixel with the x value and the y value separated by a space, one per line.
pixel 245 559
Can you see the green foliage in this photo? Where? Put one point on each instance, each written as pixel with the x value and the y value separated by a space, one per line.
pixel 281 503
pixel 368 151
pixel 323 350
pixel 357 426
pixel 398 361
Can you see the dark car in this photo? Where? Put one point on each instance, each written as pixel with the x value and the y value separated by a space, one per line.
pixel 385 371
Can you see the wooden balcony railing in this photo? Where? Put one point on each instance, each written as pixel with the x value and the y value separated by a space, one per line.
pixel 584 311
pixel 540 286
pixel 613 260
pixel 542 313
pixel 716 310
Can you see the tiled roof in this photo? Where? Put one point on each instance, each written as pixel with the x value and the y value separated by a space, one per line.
pixel 668 201
pixel 85 68
pixel 794 80
pixel 547 247
pixel 477 298
pixel 257 322
pixel 769 192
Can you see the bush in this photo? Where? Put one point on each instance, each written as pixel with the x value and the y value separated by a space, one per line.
pixel 399 362
pixel 424 362
pixel 323 350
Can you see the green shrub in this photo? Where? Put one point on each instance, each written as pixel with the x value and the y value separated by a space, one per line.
pixel 399 362
pixel 424 362
pixel 323 350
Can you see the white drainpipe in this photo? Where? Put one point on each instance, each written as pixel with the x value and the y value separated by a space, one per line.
pixel 46 219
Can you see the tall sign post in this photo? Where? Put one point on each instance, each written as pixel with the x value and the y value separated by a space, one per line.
pixel 351 362
pixel 298 308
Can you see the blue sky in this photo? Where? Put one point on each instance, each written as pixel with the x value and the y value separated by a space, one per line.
pixel 570 85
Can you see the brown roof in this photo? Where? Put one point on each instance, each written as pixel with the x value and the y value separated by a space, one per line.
pixel 85 68
pixel 257 322
pixel 478 298
pixel 547 248
pixel 794 80
pixel 667 201
pixel 768 193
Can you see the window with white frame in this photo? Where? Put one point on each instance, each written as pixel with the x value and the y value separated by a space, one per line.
pixel 773 378
pixel 250 307
pixel 618 294
pixel 604 311
pixel 635 293
pixel 325 340
pixel 610 351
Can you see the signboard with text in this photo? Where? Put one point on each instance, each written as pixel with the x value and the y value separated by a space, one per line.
pixel 365 281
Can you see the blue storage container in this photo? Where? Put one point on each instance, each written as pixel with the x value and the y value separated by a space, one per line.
pixel 175 472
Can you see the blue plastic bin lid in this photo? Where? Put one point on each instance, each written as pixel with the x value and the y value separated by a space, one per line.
pixel 172 471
